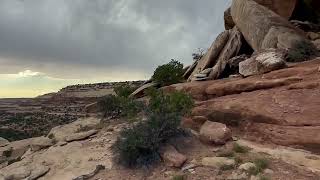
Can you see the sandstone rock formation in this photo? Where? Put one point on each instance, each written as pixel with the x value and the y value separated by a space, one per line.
pixel 280 107
pixel 60 133
pixel 263 62
pixel 263 28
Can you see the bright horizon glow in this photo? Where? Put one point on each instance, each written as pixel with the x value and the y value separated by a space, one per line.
pixel 29 84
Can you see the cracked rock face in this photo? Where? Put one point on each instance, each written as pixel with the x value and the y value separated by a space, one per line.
pixel 263 62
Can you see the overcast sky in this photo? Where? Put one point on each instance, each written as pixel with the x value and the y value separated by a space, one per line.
pixel 47 44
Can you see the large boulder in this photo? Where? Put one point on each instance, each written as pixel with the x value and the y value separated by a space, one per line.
pixel 263 62
pixel 283 8
pixel 214 133
pixel 263 28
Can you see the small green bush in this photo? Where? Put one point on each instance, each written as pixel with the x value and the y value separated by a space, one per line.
pixel 116 106
pixel 240 149
pixel 168 74
pixel 302 51
pixel 178 177
pixel 110 105
pixel 260 165
pixel 176 102
pixel 124 90
pixel 139 145
pixel 227 167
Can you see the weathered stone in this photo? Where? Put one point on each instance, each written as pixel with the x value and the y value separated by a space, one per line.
pixel 80 135
pixel 172 157
pixel 234 62
pixel 206 71
pixel 91 108
pixel 190 123
pixel 317 44
pixel 217 162
pixel 237 176
pixel 247 166
pixel 140 92
pixel 283 8
pixel 60 133
pixel 230 50
pixel 313 36
pixel 189 71
pixel 3 142
pixel 214 133
pixel 263 62
pixel 200 75
pixel 40 143
pixel 228 21
pixel 263 28
pixel 210 58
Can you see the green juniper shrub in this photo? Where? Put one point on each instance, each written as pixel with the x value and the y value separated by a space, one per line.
pixel 301 52
pixel 110 105
pixel 130 107
pixel 119 106
pixel 175 102
pixel 139 144
pixel 124 90
pixel 168 74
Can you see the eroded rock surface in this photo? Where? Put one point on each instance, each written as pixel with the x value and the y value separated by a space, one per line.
pixel 280 107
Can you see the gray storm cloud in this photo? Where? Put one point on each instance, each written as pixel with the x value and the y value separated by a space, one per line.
pixel 83 38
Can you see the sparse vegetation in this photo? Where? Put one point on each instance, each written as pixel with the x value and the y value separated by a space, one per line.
pixel 168 74
pixel 139 145
pixel 229 154
pixel 124 90
pixel 226 167
pixel 239 149
pixel 260 165
pixel 302 51
pixel 178 177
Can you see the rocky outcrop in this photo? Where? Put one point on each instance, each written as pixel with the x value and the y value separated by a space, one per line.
pixel 263 62
pixel 214 133
pixel 80 135
pixel 60 133
pixel 263 28
pixel 280 107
